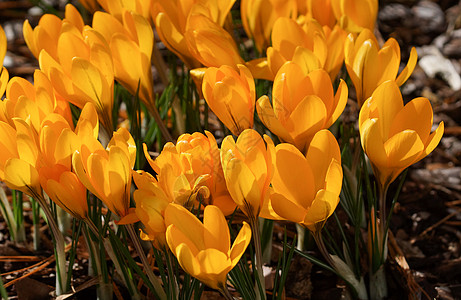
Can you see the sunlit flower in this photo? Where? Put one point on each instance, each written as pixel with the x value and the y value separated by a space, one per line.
pixel 247 167
pixel 258 18
pixel 395 136
pixel 355 15
pixel 3 72
pixel 210 44
pixel 82 70
pixel 306 187
pixel 204 250
pixel 369 66
pixel 321 10
pixel 46 34
pixel 32 102
pixel 118 7
pixel 19 157
pixel 191 166
pixel 57 144
pixel 151 202
pixel 131 41
pixel 170 18
pixel 308 44
pixel 302 104
pixel 107 172
pixel 231 96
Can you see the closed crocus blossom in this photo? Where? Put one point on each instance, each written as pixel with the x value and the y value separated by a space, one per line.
pixel 151 202
pixel 46 34
pixel 3 72
pixel 307 43
pixel 170 17
pixel 258 18
pixel 81 70
pixel 131 42
pixel 19 157
pixel 210 44
pixel 306 187
pixel 118 7
pixel 321 10
pixel 369 66
pixel 395 136
pixel 302 104
pixel 247 167
pixel 32 102
pixel 204 249
pixel 355 15
pixel 57 144
pixel 107 172
pixel 231 96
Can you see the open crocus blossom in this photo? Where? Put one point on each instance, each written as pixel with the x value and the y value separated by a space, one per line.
pixel 306 187
pixel 107 172
pixel 204 250
pixel 355 15
pixel 395 136
pixel 192 166
pixel 368 66
pixel 259 16
pixel 302 104
pixel 247 167
pixel 231 96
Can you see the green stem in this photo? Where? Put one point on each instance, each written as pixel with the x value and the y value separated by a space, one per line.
pixel 225 292
pixel 147 268
pixel 59 244
pixel 260 289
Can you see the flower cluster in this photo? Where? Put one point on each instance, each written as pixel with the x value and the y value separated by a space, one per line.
pixel 297 177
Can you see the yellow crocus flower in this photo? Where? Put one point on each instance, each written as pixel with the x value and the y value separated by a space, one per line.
pixel 19 157
pixel 302 104
pixel 307 43
pixel 258 18
pixel 131 41
pixel 231 96
pixel 107 172
pixel 3 72
pixel 151 202
pixel 355 15
pixel 210 44
pixel 170 18
pixel 306 188
pixel 190 166
pixel 393 135
pixel 46 34
pixel 33 102
pixel 57 144
pixel 247 166
pixel 204 249
pixel 369 66
pixel 118 7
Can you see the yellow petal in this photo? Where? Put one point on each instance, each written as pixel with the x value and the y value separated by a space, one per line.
pixel 22 176
pixel 216 233
pixel 186 222
pixel 406 72
pixel 240 244
pixel 403 148
pixel 288 209
pixel 293 176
